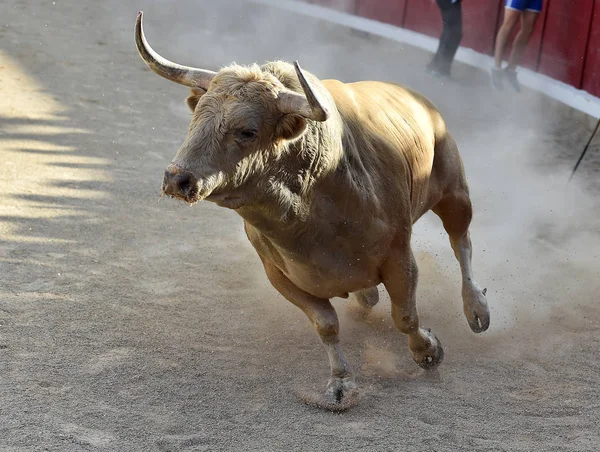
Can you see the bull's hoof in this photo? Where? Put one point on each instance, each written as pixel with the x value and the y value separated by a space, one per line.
pixel 341 394
pixel 340 388
pixel 476 308
pixel 430 356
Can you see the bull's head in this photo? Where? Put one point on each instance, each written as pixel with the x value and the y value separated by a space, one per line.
pixel 242 116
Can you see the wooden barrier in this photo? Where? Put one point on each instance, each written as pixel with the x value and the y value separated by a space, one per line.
pixel 565 44
pixel 480 24
pixel 422 16
pixel 383 11
pixel 565 40
pixel 591 72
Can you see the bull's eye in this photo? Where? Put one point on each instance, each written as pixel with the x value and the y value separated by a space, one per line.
pixel 248 134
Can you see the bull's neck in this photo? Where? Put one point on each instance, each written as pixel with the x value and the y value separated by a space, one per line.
pixel 285 196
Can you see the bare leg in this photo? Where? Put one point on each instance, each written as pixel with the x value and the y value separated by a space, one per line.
pixel 528 20
pixel 324 318
pixel 400 275
pixel 456 212
pixel 367 298
pixel 510 19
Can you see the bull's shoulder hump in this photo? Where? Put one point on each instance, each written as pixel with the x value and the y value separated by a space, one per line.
pixel 378 92
pixel 370 97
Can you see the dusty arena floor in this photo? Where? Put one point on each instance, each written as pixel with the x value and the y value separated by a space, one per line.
pixel 131 322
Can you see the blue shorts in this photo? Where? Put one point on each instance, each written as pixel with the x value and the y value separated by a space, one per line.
pixel 525 5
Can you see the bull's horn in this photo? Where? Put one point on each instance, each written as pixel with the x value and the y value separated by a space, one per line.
pixel 308 106
pixel 188 76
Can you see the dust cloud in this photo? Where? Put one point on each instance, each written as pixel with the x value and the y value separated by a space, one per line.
pixel 536 242
pixel 536 248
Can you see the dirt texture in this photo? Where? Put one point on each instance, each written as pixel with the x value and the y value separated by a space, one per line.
pixel 131 322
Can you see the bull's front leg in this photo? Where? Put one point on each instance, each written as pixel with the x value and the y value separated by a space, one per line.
pixel 400 276
pixel 341 389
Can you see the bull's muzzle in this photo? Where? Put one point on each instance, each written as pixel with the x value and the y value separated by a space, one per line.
pixel 180 184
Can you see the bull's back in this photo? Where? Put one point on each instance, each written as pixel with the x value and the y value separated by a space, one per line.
pixel 394 131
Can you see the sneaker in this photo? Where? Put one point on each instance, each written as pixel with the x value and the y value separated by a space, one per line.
pixel 497 79
pixel 430 67
pixel 511 75
pixel 432 70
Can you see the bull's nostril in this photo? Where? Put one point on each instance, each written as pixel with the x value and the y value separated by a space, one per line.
pixel 185 185
pixel 179 184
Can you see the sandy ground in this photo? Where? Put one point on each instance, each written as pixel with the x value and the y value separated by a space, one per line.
pixel 130 322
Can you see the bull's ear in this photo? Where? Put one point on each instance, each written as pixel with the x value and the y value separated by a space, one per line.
pixel 290 127
pixel 194 97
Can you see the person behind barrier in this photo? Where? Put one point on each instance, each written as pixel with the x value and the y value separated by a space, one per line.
pixel 450 39
pixel 528 11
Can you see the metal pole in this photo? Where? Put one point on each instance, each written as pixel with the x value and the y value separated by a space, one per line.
pixel 584 150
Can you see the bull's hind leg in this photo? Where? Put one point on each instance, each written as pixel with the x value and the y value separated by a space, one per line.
pixel 400 275
pixel 456 212
pixel 367 298
pixel 341 388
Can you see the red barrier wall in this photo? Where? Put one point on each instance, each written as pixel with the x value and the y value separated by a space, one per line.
pixel 565 40
pixel 480 20
pixel 391 12
pixel 565 44
pixel 591 73
pixel 423 16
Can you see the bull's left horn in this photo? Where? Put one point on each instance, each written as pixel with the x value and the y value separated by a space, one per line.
pixel 184 75
pixel 308 106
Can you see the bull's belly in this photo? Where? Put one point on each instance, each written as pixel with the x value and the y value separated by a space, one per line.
pixel 325 271
pixel 331 281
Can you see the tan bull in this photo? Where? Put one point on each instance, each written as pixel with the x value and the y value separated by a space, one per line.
pixel 329 178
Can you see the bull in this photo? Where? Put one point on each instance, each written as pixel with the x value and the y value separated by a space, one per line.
pixel 329 178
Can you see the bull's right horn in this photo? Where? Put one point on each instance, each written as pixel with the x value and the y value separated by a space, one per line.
pixel 308 106
pixel 184 75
